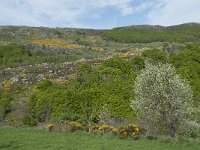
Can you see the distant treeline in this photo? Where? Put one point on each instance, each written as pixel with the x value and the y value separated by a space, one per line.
pixel 146 33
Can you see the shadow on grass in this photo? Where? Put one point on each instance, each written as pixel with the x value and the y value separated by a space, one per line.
pixel 10 145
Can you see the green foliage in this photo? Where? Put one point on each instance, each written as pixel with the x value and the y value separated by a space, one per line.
pixel 187 63
pixel 11 54
pixel 119 63
pixel 110 84
pixel 114 81
pixel 90 103
pixel 156 55
pixel 5 101
pixel 29 121
pixel 43 85
pixel 55 103
pixel 138 63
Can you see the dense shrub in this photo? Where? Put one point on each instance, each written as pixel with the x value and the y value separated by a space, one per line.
pixel 5 98
pixel 138 63
pixel 29 121
pixel 156 55
pixel 74 126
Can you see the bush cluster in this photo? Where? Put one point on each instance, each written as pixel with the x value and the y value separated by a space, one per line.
pixel 74 126
pixel 104 129
pixel 129 130
pixel 70 126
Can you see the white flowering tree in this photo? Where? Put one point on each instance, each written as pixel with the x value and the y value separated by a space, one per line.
pixel 163 100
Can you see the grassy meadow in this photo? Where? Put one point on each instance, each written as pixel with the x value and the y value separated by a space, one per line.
pixel 34 139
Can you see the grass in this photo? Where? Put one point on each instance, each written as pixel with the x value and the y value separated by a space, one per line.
pixel 32 139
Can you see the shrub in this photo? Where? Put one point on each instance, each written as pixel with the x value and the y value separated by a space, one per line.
pixel 30 121
pixel 74 126
pixel 104 129
pixel 130 130
pixel 191 129
pixel 114 131
pixel 122 132
pixel 43 85
pixel 50 127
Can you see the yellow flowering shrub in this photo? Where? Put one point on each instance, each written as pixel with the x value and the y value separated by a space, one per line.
pixel 123 133
pixel 74 126
pixel 130 130
pixel 104 129
pixel 124 55
pixel 114 131
pixel 56 43
pixel 50 126
pixel 7 85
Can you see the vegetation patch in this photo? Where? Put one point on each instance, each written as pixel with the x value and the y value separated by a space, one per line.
pixel 56 43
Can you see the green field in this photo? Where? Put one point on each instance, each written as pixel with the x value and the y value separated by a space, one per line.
pixel 32 139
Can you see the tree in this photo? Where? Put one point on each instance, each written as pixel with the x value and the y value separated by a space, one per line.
pixel 90 104
pixel 156 55
pixel 138 63
pixel 162 99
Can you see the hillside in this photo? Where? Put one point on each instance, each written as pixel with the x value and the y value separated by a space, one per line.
pixel 49 53
pixel 61 75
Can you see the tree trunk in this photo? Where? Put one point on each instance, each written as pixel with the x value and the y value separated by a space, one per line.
pixel 174 133
pixel 89 126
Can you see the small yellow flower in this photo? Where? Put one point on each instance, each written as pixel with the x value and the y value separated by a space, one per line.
pixel 50 126
pixel 137 129
pixel 133 134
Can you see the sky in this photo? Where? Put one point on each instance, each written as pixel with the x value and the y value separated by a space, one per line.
pixel 98 14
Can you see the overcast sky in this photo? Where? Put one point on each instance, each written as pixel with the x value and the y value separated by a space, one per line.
pixel 99 14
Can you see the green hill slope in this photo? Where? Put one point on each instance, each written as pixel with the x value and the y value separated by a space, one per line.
pixel 146 33
pixel 29 55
